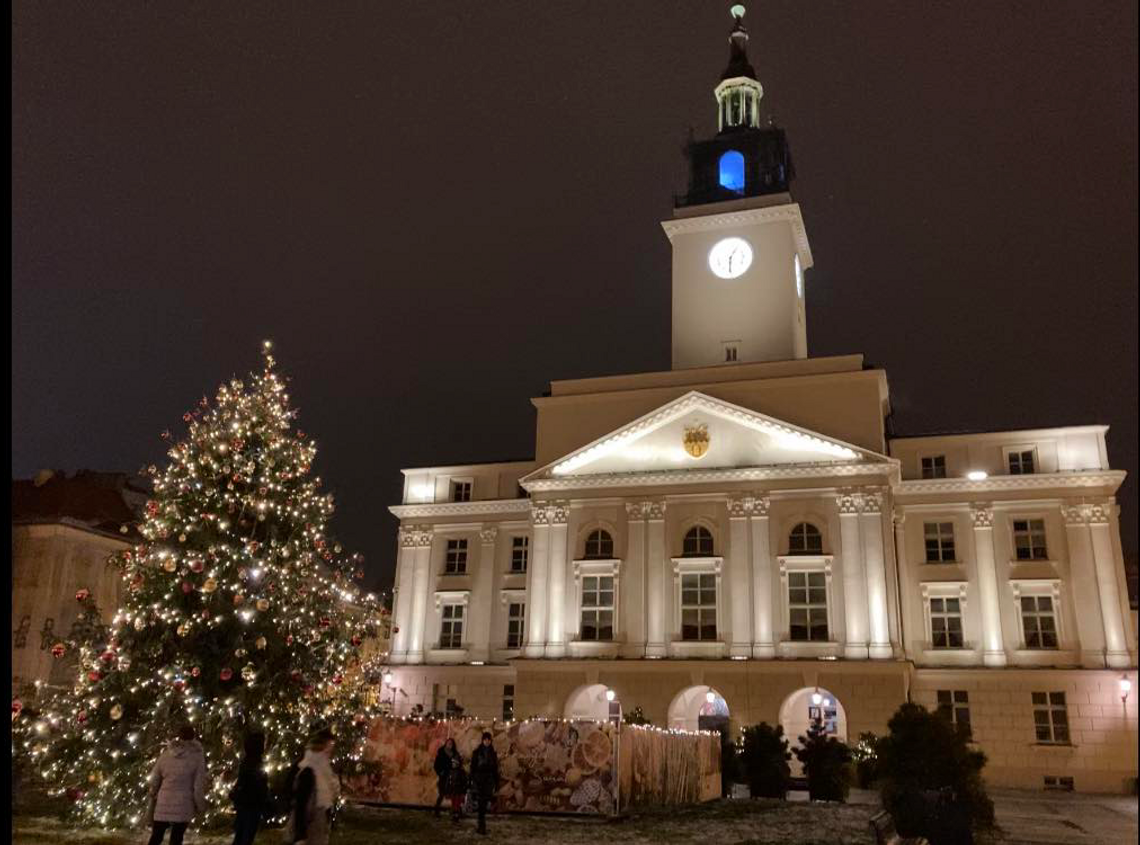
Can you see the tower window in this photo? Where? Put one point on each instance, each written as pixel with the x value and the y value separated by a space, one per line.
pixel 731 352
pixel 599 545
pixel 732 171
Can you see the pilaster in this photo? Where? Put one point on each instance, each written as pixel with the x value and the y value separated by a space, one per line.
pixel 537 579
pixel 872 530
pixel 1098 517
pixel 558 517
pixel 739 634
pixel 659 604
pixel 632 611
pixel 854 580
pixel 422 587
pixel 403 594
pixel 993 644
pixel 479 623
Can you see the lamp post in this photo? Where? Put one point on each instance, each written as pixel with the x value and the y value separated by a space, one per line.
pixel 388 677
pixel 1125 688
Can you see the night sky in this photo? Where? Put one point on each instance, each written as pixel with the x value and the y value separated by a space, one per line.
pixel 436 208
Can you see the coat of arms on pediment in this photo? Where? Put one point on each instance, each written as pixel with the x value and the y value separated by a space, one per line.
pixel 696 440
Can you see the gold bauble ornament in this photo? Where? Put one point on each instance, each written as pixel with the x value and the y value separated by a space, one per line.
pixel 140 623
pixel 169 565
pixel 263 604
pixel 261 643
pixel 209 585
pixel 117 712
pixel 238 599
pixel 249 672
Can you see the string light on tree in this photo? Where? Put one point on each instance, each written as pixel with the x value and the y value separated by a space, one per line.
pixel 239 613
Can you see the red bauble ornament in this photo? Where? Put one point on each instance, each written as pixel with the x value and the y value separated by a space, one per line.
pixel 179 684
pixel 82 594
pixel 395 629
pixel 81 717
pixel 307 691
pixel 17 706
pixel 289 639
pixel 196 566
pixel 355 640
pixel 196 671
pixel 187 587
pixel 226 673
pixel 93 676
pixel 337 679
pixel 295 675
pixel 107 656
pixel 58 650
pixel 325 622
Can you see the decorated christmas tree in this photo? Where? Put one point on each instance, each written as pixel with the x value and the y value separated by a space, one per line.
pixel 240 614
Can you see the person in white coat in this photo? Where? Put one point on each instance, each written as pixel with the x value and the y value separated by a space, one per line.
pixel 177 787
pixel 315 793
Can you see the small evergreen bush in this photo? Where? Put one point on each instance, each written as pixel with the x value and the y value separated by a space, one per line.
pixel 827 764
pixel 865 753
pixel 764 760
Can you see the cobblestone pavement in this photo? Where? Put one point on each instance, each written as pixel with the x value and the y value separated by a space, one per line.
pixel 1046 818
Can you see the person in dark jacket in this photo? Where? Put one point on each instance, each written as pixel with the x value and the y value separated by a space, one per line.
pixel 442 768
pixel 484 777
pixel 456 783
pixel 251 791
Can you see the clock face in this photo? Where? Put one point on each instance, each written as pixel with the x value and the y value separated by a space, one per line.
pixel 730 257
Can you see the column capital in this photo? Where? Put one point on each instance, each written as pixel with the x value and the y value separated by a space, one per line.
pixel 1088 513
pixel 654 511
pixel 740 507
pixel 550 513
pixel 898 517
pixel 873 502
pixel 487 534
pixel 849 502
pixel 982 513
pixel 415 535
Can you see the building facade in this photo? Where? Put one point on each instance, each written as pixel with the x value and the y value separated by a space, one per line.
pixel 738 539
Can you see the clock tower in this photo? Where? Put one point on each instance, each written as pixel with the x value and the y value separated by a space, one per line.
pixel 740 249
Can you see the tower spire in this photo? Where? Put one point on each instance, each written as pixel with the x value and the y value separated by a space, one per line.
pixel 739 92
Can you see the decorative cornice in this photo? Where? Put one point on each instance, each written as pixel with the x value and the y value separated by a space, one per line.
pixel 709 476
pixel 440 509
pixel 1095 478
pixel 982 513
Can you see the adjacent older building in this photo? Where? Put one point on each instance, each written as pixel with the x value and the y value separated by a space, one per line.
pixel 739 540
pixel 63 531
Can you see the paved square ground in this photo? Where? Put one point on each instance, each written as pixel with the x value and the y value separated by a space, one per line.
pixel 1046 818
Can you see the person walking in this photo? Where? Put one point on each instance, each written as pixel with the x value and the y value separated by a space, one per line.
pixel 456 782
pixel 484 777
pixel 442 766
pixel 251 791
pixel 315 793
pixel 177 787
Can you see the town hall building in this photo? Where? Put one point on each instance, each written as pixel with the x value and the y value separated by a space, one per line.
pixel 738 539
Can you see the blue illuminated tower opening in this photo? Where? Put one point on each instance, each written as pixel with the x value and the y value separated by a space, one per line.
pixel 732 171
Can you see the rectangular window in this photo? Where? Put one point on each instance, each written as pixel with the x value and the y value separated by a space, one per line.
pixel 1059 783
pixel 1051 718
pixel 946 622
pixel 955 706
pixel 520 552
pixel 456 561
pixel 1029 539
pixel 1038 622
pixel 516 617
pixel 597 607
pixel 20 635
pixel 807 606
pixel 47 634
pixel 461 491
pixel 934 466
pixel 729 354
pixel 445 699
pixel 939 542
pixel 451 626
pixel 508 702
pixel 1021 462
pixel 698 606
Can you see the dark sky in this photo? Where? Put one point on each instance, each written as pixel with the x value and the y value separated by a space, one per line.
pixel 436 208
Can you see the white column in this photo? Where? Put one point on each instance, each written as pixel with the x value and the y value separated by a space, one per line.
pixel 854 580
pixel 658 581
pixel 739 633
pixel 536 581
pixel 763 601
pixel 903 564
pixel 1104 559
pixel 873 558
pixel 633 620
pixel 422 582
pixel 480 607
pixel 403 594
pixel 1084 588
pixel 993 645
pixel 556 608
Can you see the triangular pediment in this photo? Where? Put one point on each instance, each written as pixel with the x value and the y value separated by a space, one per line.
pixel 699 432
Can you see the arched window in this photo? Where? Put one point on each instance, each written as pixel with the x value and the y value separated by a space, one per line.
pixel 732 171
pixel 698 542
pixel 805 539
pixel 599 545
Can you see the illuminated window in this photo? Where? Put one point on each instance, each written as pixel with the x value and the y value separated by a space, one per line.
pixel 698 542
pixel 1051 718
pixel 516 617
pixel 805 539
pixel 451 626
pixel 1029 539
pixel 698 606
pixel 946 622
pixel 520 551
pixel 732 171
pixel 807 606
pixel 939 538
pixel 600 545
pixel 597 607
pixel 508 702
pixel 456 561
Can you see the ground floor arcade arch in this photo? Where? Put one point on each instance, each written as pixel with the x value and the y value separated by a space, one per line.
pixel 698 708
